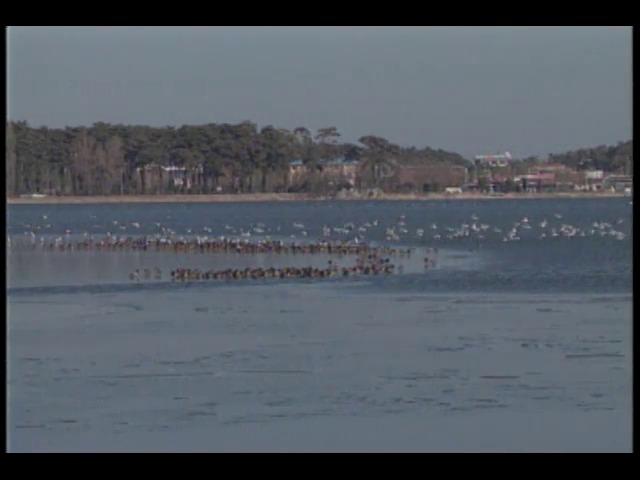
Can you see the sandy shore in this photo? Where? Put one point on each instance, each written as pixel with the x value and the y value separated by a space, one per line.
pixel 291 197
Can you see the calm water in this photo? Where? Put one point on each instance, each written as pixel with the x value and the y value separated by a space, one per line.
pixel 519 340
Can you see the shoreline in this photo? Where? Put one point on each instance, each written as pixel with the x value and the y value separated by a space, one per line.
pixel 295 197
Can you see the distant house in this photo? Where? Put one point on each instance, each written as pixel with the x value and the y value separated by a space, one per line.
pixel 296 164
pixel 471 187
pixel 554 168
pixel 374 173
pixel 429 177
pixel 340 169
pixel 177 175
pixel 618 182
pixel 502 178
pixel 452 190
pixel 594 174
pixel 558 176
pixel 155 178
pixel 339 163
pixel 537 182
pixel 297 172
pixel 331 170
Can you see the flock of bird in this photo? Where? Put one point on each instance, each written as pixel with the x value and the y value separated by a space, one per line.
pixel 123 233
pixel 371 242
pixel 372 262
pixel 204 244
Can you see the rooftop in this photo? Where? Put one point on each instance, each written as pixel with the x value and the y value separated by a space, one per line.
pixel 337 161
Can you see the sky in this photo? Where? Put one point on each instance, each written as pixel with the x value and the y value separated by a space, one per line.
pixel 471 90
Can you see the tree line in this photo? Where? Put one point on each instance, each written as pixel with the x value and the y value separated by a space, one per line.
pixel 608 158
pixel 616 158
pixel 106 159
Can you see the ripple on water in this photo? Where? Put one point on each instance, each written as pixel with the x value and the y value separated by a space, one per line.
pixel 594 355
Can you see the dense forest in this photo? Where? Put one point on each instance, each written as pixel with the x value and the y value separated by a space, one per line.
pixel 613 159
pixel 107 159
pixel 618 159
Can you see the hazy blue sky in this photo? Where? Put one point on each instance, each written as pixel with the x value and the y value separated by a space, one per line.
pixel 530 90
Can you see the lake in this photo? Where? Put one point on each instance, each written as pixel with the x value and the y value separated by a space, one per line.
pixel 518 339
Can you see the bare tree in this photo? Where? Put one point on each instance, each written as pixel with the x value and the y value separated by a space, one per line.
pixel 82 151
pixel 114 149
pixel 10 159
